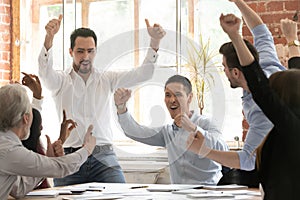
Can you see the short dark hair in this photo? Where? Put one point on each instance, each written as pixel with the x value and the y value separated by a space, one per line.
pixel 180 79
pixel 229 52
pixel 34 138
pixel 82 32
pixel 287 86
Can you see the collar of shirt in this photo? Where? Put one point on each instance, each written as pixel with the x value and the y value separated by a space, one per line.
pixel 175 127
pixel 10 134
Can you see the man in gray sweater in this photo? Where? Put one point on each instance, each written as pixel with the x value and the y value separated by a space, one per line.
pixel 185 167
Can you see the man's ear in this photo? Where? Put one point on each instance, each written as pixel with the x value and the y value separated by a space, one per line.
pixel 190 97
pixel 26 118
pixel 236 72
pixel 71 52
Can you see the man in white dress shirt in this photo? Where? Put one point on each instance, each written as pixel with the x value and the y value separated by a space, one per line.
pixel 85 93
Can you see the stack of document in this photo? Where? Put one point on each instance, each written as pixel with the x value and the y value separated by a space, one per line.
pixel 218 192
pixel 43 193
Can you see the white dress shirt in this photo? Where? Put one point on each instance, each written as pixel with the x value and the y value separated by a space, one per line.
pixel 21 169
pixel 90 102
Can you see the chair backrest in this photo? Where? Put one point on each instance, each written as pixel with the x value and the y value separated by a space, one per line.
pixel 240 177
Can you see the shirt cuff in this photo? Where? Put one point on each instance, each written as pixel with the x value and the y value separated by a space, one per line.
pixel 37 103
pixel 203 132
pixel 84 154
pixel 151 56
pixel 46 53
pixel 294 63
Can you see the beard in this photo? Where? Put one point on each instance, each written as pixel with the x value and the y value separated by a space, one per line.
pixel 233 84
pixel 83 68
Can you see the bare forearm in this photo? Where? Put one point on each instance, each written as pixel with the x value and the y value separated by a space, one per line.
pixel 226 158
pixel 48 42
pixel 154 44
pixel 251 18
pixel 244 54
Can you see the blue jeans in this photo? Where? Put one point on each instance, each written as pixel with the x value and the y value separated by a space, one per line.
pixel 101 166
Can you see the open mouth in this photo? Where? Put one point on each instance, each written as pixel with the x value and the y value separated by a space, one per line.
pixel 174 107
pixel 85 63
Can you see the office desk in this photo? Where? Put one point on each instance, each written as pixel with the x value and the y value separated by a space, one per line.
pixel 125 192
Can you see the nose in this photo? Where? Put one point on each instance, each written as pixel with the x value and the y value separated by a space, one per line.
pixel 173 98
pixel 85 55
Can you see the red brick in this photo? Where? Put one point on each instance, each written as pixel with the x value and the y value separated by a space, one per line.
pixel 274 6
pixel 5 19
pixel 292 5
pixel 5 37
pixel 272 18
pixel 6 75
pixel 246 31
pixel 5 56
pixel 4 9
pixel 244 135
pixel 6 2
pixel 4 66
pixel 4 27
pixel 280 40
pixel 259 7
pixel 245 124
pixel 4 46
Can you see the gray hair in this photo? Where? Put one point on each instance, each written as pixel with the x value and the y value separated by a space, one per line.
pixel 14 104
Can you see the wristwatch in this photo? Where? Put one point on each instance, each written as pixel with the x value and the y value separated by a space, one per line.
pixel 121 106
pixel 294 43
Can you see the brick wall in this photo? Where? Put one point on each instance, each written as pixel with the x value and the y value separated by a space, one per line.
pixel 5 42
pixel 271 12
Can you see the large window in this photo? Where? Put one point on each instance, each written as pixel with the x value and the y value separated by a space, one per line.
pixel 122 45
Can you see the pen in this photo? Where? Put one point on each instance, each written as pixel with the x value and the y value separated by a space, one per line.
pixel 137 187
pixel 198 187
pixel 94 190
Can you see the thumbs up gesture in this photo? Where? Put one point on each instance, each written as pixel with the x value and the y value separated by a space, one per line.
pixel 156 32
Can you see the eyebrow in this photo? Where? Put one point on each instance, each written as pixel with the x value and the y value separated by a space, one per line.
pixel 86 49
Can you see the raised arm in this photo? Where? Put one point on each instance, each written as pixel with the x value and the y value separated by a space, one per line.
pixel 51 78
pixel 130 127
pixel 230 24
pixel 289 29
pixel 251 18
